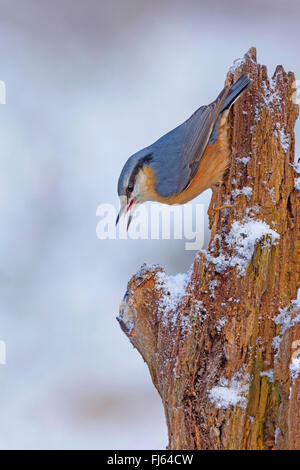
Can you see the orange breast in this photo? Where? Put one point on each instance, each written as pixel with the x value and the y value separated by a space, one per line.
pixel 211 169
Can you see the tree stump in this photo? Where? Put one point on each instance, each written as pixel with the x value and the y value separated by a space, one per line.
pixel 222 343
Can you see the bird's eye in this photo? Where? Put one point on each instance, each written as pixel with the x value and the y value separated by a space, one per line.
pixel 130 188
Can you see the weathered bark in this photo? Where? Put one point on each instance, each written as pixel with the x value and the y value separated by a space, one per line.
pixel 219 338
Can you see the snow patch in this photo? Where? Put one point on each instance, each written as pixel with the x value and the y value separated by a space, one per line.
pixel 145 268
pixel 236 64
pixel 271 95
pixel 269 374
pixel 272 194
pixel 242 239
pixel 200 311
pixel 284 319
pixel 284 138
pixel 173 289
pixel 230 392
pixel 295 368
pixel 212 285
pixel 220 323
pixel 243 160
pixel 246 191
pixel 272 98
pixel 297 184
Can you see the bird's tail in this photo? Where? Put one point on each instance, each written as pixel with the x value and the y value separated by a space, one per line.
pixel 237 88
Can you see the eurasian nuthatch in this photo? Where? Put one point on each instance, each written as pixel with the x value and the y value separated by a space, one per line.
pixel 184 162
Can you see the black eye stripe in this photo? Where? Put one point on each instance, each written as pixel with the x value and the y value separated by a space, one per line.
pixel 141 162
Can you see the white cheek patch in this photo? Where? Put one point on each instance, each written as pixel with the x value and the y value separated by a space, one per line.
pixel 139 187
pixel 123 200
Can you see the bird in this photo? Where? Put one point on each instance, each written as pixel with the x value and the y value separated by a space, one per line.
pixel 186 161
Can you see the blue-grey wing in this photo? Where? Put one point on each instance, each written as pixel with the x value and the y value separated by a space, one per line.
pixel 176 155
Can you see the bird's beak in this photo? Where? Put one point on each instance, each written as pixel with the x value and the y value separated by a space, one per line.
pixel 130 210
pixel 126 207
pixel 123 202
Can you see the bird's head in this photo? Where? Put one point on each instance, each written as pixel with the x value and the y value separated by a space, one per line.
pixel 132 184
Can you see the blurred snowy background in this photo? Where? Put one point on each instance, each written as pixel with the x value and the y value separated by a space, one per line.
pixel 88 84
